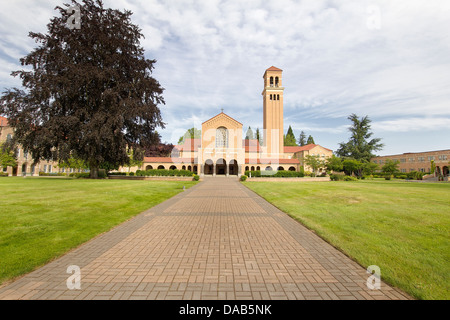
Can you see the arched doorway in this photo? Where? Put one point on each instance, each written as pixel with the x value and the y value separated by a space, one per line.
pixel 161 167
pixel 149 167
pixel 209 167
pixel 233 168
pixel 292 169
pixel 24 169
pixel 221 167
pixel 445 171
pixel 173 168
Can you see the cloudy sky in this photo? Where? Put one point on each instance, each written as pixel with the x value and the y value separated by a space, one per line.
pixel 389 60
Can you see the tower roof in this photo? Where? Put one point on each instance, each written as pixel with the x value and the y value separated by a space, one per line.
pixel 272 68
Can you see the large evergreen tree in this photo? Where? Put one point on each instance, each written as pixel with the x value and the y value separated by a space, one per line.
pixel 289 138
pixel 302 139
pixel 90 93
pixel 257 136
pixel 249 134
pixel 310 140
pixel 359 147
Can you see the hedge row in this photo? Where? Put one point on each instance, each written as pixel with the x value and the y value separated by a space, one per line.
pixel 342 177
pixel 53 174
pixel 278 174
pixel 164 172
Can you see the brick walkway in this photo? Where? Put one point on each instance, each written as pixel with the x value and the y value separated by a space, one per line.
pixel 216 240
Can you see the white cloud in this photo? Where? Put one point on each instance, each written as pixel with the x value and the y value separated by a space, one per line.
pixel 412 124
pixel 213 53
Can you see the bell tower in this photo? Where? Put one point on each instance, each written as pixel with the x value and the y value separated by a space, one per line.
pixel 273 111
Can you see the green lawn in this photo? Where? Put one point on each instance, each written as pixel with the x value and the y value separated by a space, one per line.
pixel 42 218
pixel 402 227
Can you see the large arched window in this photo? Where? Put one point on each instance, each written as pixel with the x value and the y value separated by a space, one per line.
pixel 221 137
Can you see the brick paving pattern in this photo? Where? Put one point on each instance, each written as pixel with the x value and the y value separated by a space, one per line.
pixel 216 240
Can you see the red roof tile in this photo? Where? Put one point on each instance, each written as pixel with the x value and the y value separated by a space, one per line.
pixel 3 122
pixel 272 68
pixel 304 148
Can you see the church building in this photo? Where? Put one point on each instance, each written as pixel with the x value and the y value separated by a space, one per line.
pixel 223 151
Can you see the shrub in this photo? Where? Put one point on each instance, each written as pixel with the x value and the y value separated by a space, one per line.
pixel 196 177
pixel 279 174
pixel 3 174
pixel 117 174
pixel 350 178
pixel 415 175
pixel 163 172
pixel 243 177
pixel 131 174
pixel 337 177
pixel 102 174
pixel 52 174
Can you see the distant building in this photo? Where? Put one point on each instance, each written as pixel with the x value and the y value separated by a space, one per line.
pixel 25 164
pixel 419 161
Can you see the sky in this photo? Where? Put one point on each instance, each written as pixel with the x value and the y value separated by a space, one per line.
pixel 388 60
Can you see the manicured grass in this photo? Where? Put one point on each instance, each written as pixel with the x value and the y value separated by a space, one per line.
pixel 42 218
pixel 402 227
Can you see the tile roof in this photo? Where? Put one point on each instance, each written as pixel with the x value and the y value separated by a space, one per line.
pixel 3 122
pixel 304 148
pixel 272 68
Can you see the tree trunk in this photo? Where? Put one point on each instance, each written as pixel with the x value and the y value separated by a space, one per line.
pixel 94 172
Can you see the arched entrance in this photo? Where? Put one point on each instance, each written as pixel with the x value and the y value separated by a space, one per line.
pixel 209 167
pixel 445 171
pixel 233 168
pixel 149 167
pixel 221 167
